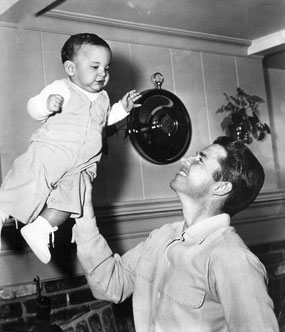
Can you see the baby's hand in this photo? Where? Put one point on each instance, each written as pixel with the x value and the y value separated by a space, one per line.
pixel 129 100
pixel 54 103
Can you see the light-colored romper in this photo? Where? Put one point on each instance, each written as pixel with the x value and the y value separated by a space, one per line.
pixel 50 170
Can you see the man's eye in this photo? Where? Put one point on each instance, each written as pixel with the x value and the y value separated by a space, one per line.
pixel 200 159
pixel 95 67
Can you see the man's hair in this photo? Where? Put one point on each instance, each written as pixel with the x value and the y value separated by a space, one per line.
pixel 242 169
pixel 73 44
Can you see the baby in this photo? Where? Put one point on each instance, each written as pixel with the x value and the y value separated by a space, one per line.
pixel 44 186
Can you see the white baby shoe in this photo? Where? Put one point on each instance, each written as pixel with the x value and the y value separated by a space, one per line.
pixel 37 235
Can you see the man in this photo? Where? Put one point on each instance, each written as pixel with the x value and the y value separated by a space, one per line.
pixel 195 275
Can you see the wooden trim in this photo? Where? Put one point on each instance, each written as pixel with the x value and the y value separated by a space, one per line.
pixel 61 22
pixel 128 220
pixel 266 44
pixel 144 27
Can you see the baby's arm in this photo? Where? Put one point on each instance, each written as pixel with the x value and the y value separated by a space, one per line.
pixel 50 100
pixel 122 109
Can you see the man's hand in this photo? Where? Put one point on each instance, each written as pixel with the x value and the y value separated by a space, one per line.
pixel 88 210
pixel 54 103
pixel 129 100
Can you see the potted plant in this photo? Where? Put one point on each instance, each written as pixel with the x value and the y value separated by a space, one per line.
pixel 242 121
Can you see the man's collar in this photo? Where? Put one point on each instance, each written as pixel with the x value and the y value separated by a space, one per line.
pixel 200 231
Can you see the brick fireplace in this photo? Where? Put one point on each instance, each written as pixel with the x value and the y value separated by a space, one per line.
pixel 65 305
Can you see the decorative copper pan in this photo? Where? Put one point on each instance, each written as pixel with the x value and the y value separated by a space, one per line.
pixel 160 130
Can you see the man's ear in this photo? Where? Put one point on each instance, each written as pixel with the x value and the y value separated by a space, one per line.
pixel 222 188
pixel 69 68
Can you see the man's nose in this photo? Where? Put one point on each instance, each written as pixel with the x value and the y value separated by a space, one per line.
pixel 187 161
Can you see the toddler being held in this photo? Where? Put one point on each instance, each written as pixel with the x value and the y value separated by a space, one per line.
pixel 44 186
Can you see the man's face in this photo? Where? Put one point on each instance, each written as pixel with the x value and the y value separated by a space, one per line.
pixel 92 67
pixel 195 178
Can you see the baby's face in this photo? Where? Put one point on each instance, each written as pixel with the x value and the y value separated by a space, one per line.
pixel 91 71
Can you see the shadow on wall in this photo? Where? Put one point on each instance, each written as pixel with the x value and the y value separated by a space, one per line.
pixel 113 167
pixel 111 184
pixel 123 78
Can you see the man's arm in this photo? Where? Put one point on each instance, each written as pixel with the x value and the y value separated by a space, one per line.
pixel 110 276
pixel 240 284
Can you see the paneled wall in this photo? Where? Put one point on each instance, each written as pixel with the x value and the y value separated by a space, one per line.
pixel 132 196
pixel 275 79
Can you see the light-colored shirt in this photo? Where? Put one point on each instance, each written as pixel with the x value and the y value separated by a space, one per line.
pixel 204 279
pixel 37 107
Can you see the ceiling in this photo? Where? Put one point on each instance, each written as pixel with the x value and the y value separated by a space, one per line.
pixel 252 20
pixel 246 19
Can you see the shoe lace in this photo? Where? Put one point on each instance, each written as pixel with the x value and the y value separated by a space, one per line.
pixel 54 229
pixel 16 223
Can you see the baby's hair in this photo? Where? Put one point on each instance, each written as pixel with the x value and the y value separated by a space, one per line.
pixel 73 44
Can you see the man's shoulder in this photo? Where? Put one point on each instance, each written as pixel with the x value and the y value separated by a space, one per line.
pixel 229 239
pixel 231 247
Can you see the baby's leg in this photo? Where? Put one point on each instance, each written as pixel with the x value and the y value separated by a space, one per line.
pixel 37 233
pixel 55 217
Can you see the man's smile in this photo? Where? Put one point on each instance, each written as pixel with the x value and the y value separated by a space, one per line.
pixel 184 171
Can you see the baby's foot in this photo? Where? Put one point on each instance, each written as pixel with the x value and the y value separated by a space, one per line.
pixel 37 236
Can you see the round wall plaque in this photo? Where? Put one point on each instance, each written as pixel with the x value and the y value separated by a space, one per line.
pixel 160 130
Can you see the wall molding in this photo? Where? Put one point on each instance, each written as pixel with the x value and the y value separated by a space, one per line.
pixel 137 210
pixel 271 43
pixel 143 27
pixel 134 220
pixel 67 23
pixel 4 24
pixel 145 208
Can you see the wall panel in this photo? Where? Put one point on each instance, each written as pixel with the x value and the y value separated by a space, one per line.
pixel 251 79
pixel 21 72
pixel 276 98
pixel 189 87
pixel 220 77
